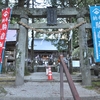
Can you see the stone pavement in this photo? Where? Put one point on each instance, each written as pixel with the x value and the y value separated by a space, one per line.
pixel 41 76
pixel 37 87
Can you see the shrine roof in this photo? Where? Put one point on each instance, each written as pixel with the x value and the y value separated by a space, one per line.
pixel 39 44
pixel 42 44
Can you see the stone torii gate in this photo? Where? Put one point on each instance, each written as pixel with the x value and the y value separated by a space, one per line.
pixel 23 37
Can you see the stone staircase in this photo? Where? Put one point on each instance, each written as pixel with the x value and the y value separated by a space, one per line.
pixel 38 87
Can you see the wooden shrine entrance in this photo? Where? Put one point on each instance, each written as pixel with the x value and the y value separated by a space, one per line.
pixel 23 26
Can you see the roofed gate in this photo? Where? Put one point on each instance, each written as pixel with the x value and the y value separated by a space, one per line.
pixel 42 13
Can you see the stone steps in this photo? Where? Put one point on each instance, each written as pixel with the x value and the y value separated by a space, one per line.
pixel 48 98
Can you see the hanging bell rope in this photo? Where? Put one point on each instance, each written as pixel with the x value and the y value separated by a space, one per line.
pixel 53 32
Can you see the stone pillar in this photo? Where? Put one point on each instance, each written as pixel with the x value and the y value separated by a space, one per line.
pixel 84 61
pixel 20 52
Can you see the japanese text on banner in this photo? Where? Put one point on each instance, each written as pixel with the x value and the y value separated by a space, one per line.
pixel 95 21
pixel 3 29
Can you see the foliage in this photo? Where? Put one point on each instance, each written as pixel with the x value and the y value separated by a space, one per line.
pixel 3 70
pixel 14 20
pixel 89 87
pixel 26 72
pixel 62 44
pixel 2 90
pixel 73 3
pixel 76 52
pixel 75 38
pixel 95 86
pixel 59 40
pixel 58 3
pixel 1 2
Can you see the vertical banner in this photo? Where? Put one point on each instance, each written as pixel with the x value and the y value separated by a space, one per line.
pixel 95 22
pixel 3 30
pixel 0 49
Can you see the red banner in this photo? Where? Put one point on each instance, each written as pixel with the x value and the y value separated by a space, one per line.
pixel 4 28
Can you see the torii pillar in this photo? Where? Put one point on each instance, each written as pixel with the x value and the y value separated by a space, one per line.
pixel 84 61
pixel 21 52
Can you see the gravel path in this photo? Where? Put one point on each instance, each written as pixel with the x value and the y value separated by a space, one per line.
pixel 37 87
pixel 46 89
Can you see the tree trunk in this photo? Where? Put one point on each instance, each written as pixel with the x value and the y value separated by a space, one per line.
pixel 70 58
pixel 21 3
pixel 6 2
pixel 32 52
pixel 32 43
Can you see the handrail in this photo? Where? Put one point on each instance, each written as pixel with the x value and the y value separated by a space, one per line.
pixel 70 81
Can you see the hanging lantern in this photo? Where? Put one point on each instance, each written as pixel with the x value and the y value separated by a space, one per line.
pixel 51 16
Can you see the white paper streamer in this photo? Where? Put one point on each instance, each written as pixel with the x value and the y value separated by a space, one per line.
pixel 43 39
pixel 70 35
pixel 59 36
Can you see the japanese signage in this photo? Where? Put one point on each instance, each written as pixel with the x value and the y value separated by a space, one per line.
pixel 3 29
pixel 95 22
pixel 51 16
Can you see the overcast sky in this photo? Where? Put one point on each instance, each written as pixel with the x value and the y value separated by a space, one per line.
pixel 40 5
pixel 40 1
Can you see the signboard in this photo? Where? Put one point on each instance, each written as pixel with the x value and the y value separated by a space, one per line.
pixel 51 16
pixel 3 29
pixel 95 22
